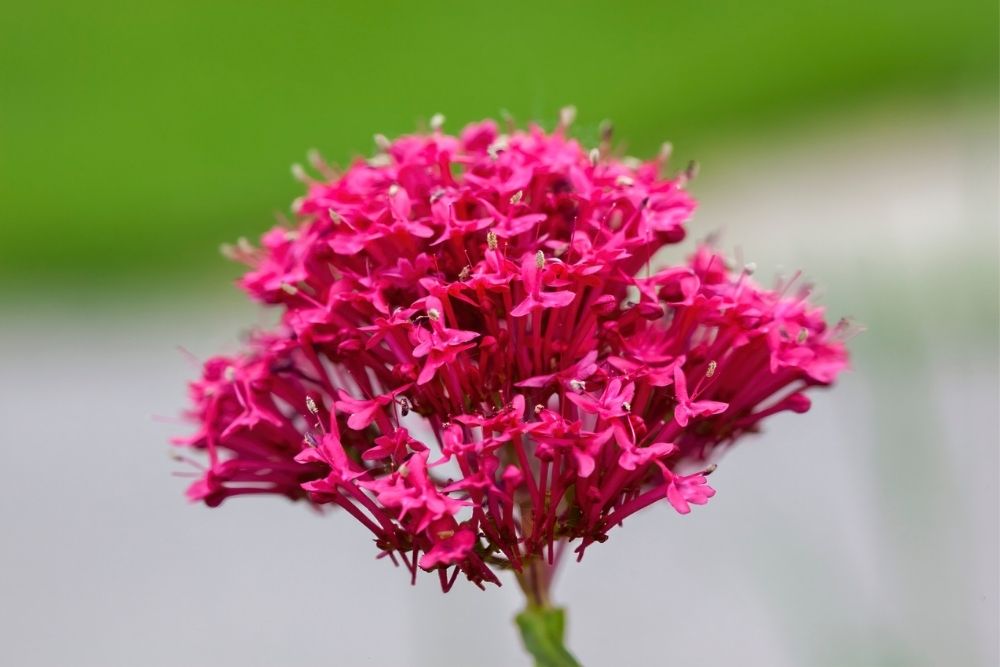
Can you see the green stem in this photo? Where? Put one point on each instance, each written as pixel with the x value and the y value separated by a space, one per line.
pixel 542 630
pixel 542 626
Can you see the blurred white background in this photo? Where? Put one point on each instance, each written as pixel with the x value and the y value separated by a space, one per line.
pixel 862 533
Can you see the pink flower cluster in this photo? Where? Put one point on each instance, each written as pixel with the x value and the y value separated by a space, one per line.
pixel 477 362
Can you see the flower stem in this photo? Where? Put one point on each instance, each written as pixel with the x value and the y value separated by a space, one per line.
pixel 542 626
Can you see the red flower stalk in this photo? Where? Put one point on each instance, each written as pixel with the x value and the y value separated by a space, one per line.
pixel 476 360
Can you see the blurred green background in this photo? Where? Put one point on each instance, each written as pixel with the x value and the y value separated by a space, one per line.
pixel 135 137
pixel 855 140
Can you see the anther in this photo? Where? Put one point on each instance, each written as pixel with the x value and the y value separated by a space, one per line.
pixel 229 374
pixel 393 189
pixel 710 469
pixel 607 130
pixel 624 181
pixel 516 197
pixel 465 273
pixel 666 150
pixel 437 122
pixel 311 405
pixel 491 240
pixel 540 259
pixel 434 314
pixel 803 335
pixel 289 289
pixel 497 147
pixel 691 171
pixel 539 408
pixel 299 174
pixel 334 216
pixel 577 385
pixel 749 268
pixel 626 406
pixel 595 156
pixel 710 371
pixel 403 470
pixel 566 116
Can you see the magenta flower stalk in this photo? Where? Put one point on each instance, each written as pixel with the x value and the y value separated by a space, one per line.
pixel 478 361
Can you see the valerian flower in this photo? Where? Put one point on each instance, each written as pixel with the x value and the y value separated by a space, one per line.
pixel 478 359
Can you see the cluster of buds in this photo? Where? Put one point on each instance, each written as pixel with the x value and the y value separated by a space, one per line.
pixel 477 360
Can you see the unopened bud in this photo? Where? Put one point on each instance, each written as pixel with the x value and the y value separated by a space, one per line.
pixel 437 122
pixel 382 142
pixel 750 268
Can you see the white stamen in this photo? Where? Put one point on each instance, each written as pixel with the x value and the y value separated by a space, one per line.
pixel 289 289
pixel 567 115
pixel 626 406
pixel 577 385
pixel 666 150
pixel 334 216
pixel 434 314
pixel 624 181
pixel 299 174
pixel 595 156
pixel 393 189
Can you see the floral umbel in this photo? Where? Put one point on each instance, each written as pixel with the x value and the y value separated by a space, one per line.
pixel 478 359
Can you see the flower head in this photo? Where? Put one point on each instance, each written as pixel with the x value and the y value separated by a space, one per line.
pixel 477 360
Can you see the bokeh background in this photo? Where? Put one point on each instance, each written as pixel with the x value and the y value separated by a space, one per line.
pixel 856 140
